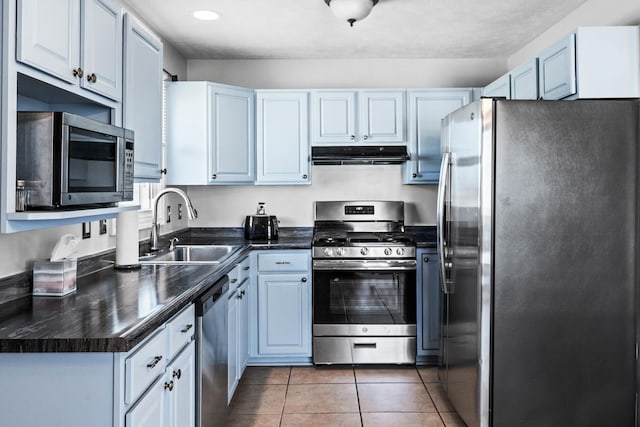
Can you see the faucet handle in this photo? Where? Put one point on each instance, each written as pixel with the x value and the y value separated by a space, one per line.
pixel 172 243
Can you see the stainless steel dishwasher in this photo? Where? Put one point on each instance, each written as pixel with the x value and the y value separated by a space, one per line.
pixel 211 358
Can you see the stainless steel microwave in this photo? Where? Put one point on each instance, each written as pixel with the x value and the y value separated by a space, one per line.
pixel 69 161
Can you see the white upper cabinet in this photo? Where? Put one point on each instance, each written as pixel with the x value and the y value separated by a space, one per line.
pixel 75 41
pixel 524 80
pixel 142 106
pixel 364 117
pixel 499 88
pixel 282 137
pixel 210 137
pixel 592 62
pixel 557 66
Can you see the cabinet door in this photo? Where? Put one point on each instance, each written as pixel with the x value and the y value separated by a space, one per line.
pixel 524 80
pixel 333 117
pixel 101 31
pixel 243 328
pixel 232 345
pixel 284 314
pixel 282 138
pixel 557 69
pixel 142 104
pixel 499 88
pixel 381 117
pixel 182 395
pixel 231 149
pixel 426 110
pixel 48 36
pixel 150 411
pixel 429 304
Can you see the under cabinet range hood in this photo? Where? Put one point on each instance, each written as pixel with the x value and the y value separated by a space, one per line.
pixel 355 155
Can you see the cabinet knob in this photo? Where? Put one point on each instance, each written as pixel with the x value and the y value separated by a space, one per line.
pixel 243 293
pixel 365 137
pixel 177 374
pixel 163 171
pixel 186 328
pixel 155 362
pixel 168 386
pixel 77 72
pixel 303 280
pixel 246 268
pixel 92 78
pixel 352 137
pixel 425 259
pixel 414 175
pixel 234 280
pixel 214 176
pixel 304 176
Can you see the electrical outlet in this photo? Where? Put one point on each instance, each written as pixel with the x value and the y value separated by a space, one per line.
pixel 103 226
pixel 179 211
pixel 168 213
pixel 86 230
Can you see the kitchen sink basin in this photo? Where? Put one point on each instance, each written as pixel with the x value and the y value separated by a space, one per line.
pixel 192 254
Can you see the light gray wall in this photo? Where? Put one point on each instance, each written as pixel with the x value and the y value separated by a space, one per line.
pixel 590 13
pixel 345 73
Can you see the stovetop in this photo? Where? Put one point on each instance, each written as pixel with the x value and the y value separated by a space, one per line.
pixel 346 238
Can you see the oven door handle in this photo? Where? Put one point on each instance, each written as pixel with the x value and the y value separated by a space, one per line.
pixel 377 265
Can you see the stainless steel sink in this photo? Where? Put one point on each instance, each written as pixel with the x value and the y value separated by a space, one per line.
pixel 192 254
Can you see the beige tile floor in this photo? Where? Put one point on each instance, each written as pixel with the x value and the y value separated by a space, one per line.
pixel 341 397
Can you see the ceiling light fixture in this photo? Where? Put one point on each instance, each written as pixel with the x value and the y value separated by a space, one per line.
pixel 351 10
pixel 206 15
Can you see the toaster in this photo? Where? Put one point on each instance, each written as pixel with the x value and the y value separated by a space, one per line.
pixel 261 226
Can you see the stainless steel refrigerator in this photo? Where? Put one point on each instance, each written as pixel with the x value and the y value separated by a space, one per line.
pixel 538 236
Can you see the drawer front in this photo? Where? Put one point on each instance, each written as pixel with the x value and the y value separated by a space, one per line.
pixel 244 270
pixel 144 366
pixel 283 262
pixel 181 330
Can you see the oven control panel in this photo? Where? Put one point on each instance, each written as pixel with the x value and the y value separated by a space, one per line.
pixel 364 252
pixel 359 210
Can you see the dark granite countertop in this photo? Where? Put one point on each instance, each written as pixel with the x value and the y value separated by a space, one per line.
pixel 113 311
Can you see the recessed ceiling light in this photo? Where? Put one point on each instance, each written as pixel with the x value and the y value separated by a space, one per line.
pixel 206 15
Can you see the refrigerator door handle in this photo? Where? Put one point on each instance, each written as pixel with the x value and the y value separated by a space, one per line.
pixel 445 169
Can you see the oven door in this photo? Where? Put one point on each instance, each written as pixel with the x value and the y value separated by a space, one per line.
pixel 364 298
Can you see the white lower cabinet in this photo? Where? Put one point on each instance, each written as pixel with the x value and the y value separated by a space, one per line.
pixel 180 388
pixel 238 318
pixel 280 312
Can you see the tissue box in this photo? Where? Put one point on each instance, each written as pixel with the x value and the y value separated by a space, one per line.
pixel 54 278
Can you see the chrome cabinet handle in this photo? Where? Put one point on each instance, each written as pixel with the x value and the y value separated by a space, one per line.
pixel 169 385
pixel 78 72
pixel 243 293
pixel 92 78
pixel 155 362
pixel 186 328
pixel 246 268
pixel 283 262
pixel 177 374
pixel 234 280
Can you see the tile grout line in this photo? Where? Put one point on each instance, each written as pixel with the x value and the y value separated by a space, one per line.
pixel 431 398
pixel 286 392
pixel 355 381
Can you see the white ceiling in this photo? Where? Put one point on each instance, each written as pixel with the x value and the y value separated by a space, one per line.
pixel 258 29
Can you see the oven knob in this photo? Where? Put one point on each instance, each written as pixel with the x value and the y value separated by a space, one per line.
pixel 388 251
pixel 400 251
pixel 364 251
pixel 340 251
pixel 328 252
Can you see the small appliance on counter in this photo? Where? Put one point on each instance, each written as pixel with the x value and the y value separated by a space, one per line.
pixel 261 226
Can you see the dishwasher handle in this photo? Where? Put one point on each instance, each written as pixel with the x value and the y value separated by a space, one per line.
pixel 209 298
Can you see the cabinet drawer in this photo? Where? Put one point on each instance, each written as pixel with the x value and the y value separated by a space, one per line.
pixel 180 330
pixel 283 262
pixel 144 366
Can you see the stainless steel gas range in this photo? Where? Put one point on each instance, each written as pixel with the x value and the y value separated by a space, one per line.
pixel 364 284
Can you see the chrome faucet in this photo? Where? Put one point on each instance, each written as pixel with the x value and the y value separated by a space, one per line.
pixel 191 212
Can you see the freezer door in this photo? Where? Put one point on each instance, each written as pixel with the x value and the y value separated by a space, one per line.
pixel 460 260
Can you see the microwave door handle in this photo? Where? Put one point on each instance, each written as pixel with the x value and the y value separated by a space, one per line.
pixel 445 170
pixel 121 143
